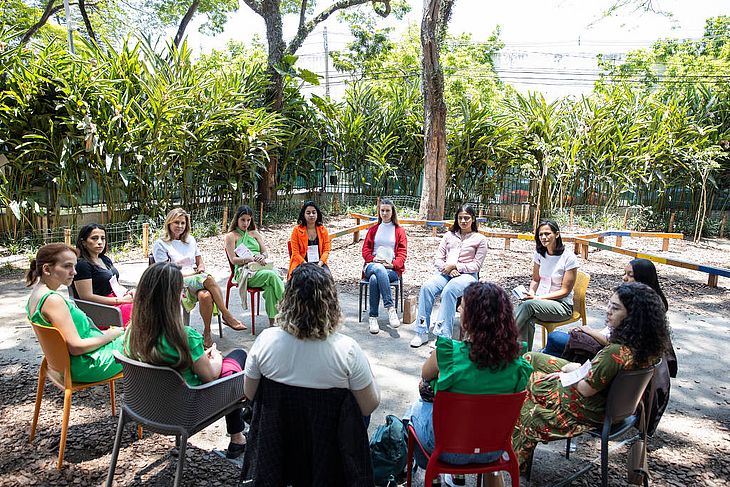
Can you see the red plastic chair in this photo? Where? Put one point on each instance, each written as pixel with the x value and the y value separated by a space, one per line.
pixel 471 423
pixel 252 292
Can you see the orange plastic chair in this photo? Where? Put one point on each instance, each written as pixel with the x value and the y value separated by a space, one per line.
pixel 469 423
pixel 56 366
pixel 579 307
pixel 253 292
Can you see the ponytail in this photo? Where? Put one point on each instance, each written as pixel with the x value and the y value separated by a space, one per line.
pixel 48 254
pixel 32 275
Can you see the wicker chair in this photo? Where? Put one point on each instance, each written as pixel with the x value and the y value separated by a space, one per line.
pixel 159 399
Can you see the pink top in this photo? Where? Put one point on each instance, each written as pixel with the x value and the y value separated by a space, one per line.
pixel 467 254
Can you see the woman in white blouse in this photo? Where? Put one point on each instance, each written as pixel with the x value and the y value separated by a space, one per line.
pixel 179 247
pixel 459 259
pixel 550 296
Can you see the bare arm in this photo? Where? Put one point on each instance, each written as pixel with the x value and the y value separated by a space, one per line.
pixel 535 282
pixel 263 249
pixel 584 389
pixel 208 366
pixel 56 311
pixel 367 399
pixel 85 291
pixel 430 369
pixel 250 386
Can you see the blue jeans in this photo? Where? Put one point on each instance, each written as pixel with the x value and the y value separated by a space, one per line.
pixel 556 341
pixel 380 278
pixel 451 289
pixel 421 416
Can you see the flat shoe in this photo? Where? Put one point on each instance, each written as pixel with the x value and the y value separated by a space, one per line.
pixel 240 326
pixel 235 450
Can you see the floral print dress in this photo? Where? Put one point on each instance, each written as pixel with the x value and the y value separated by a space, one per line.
pixel 553 412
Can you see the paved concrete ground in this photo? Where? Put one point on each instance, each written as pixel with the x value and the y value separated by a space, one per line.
pixel 699 399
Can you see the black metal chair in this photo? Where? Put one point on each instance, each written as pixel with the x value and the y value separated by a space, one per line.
pixel 103 315
pixel 159 399
pixel 625 394
pixel 365 285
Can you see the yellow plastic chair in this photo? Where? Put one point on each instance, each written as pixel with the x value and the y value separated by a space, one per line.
pixel 579 307
pixel 56 366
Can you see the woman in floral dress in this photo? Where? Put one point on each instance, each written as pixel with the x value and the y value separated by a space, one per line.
pixel 639 336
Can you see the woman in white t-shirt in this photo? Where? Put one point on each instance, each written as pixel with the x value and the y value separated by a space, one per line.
pixel 179 247
pixel 305 350
pixel 550 296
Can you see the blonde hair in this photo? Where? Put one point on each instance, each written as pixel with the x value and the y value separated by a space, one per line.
pixel 174 214
pixel 310 308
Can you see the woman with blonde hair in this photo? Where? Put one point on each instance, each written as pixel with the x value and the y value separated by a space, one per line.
pixel 157 336
pixel 179 247
pixel 90 349
pixel 316 355
pixel 248 252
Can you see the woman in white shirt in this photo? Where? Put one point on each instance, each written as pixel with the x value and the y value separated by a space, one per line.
pixel 179 247
pixel 550 296
pixel 306 350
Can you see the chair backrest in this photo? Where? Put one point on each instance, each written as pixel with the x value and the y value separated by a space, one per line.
pixel 579 291
pixel 54 348
pixel 150 260
pixel 161 395
pixel 72 292
pixel 100 314
pixel 469 423
pixel 626 391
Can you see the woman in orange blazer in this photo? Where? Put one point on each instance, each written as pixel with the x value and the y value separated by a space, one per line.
pixel 310 239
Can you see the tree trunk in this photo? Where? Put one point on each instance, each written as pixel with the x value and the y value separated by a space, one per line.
pixel 47 12
pixel 275 38
pixel 185 21
pixel 87 22
pixel 433 194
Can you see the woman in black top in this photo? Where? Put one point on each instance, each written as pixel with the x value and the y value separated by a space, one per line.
pixel 96 278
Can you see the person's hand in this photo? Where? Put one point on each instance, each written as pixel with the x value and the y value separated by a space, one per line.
pixel 529 295
pixel 379 260
pixel 131 292
pixel 320 263
pixel 259 258
pixel 213 352
pixel 448 268
pixel 114 331
pixel 127 298
pixel 553 376
pixel 454 273
pixel 569 367
pixel 200 270
pixel 387 265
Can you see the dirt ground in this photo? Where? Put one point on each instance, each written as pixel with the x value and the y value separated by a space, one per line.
pixel 691 446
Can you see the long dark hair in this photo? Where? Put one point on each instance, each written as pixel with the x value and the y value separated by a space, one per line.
pixel 394 218
pixel 84 234
pixel 301 221
pixel 242 210
pixel 156 313
pixel 645 272
pixel 644 330
pixel 466 208
pixel 540 248
pixel 488 323
pixel 48 254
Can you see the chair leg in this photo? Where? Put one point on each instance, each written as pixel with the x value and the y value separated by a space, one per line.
pixel 38 398
pixel 115 449
pixel 258 303
pixel 567 448
pixel 544 336
pixel 220 325
pixel 409 462
pixel 64 426
pixel 139 431
pixel 604 460
pixel 253 316
pixel 112 398
pixel 181 459
pixel 359 307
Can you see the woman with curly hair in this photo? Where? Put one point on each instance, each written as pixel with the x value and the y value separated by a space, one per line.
pixel 487 361
pixel 306 350
pixel 638 339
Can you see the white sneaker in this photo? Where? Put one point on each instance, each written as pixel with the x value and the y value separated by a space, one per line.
pixel 373 325
pixel 393 318
pixel 419 339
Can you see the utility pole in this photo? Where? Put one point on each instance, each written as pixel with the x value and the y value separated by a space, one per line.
pixel 69 25
pixel 326 65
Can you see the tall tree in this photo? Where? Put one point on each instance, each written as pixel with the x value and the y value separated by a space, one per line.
pixel 435 20
pixel 281 55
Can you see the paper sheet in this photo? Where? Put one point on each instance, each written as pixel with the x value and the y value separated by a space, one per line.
pixel 570 378
pixel 117 288
pixel 243 252
pixel 519 292
pixel 313 253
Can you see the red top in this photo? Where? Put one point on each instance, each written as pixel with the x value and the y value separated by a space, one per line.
pixel 400 251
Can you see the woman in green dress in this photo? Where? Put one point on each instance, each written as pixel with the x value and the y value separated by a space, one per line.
pixel 639 337
pixel 90 349
pixel 248 253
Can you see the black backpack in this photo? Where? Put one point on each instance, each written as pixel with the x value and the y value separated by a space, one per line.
pixel 389 452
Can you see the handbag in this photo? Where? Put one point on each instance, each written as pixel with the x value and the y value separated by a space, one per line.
pixel 580 347
pixel 637 465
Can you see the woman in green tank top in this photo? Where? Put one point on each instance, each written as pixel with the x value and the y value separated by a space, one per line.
pixel 90 348
pixel 248 253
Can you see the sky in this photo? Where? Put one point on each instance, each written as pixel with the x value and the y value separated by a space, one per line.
pixel 550 45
